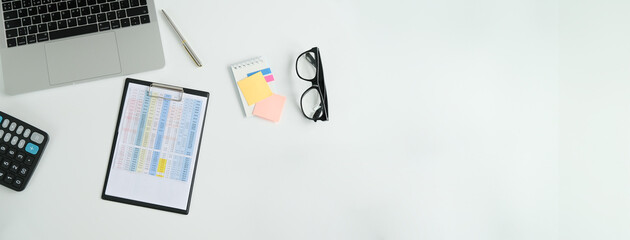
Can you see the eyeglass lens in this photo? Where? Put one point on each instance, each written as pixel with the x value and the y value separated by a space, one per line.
pixel 307 66
pixel 312 104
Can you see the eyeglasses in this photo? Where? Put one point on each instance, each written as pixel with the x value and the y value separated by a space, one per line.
pixel 314 101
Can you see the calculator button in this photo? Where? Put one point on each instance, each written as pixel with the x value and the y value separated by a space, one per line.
pixel 7 137
pixel 5 164
pixel 19 130
pixel 11 153
pixel 29 161
pixel 12 126
pixel 8 179
pixel 14 140
pixel 2 173
pixel 0 118
pixel 5 124
pixel 14 168
pixel 1 133
pixel 19 157
pixel 23 172
pixel 18 182
pixel 21 144
pixel 31 148
pixel 3 149
pixel 37 137
pixel 27 133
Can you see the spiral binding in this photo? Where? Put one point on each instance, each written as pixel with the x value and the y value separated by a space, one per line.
pixel 247 63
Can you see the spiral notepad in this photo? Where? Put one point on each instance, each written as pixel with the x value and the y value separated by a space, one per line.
pixel 245 69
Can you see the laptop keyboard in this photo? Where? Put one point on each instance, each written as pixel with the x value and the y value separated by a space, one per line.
pixel 33 21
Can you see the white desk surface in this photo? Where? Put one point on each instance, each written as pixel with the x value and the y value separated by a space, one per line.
pixel 444 125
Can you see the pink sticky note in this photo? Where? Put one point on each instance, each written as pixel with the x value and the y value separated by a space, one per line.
pixel 269 78
pixel 270 108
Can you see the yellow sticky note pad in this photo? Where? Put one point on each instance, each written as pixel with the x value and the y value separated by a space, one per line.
pixel 254 88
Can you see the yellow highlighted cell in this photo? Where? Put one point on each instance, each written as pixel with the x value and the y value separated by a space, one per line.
pixel 161 166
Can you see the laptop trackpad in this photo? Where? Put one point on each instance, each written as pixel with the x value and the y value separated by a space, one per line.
pixel 83 58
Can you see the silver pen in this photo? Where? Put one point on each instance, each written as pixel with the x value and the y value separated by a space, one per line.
pixel 186 46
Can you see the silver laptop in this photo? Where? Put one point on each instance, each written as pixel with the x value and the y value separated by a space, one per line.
pixel 51 43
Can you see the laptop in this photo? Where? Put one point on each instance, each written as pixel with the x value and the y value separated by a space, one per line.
pixel 52 43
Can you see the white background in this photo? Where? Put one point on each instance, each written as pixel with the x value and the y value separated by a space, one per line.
pixel 449 120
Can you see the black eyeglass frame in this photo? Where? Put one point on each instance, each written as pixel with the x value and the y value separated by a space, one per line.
pixel 317 83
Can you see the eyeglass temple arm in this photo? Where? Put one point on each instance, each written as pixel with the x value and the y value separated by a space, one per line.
pixel 311 60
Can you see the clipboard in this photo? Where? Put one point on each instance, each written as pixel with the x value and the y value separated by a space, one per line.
pixel 156 145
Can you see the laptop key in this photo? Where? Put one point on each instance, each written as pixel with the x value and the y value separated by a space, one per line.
pixel 72 22
pixel 124 4
pixel 10 15
pixel 42 27
pixel 135 21
pixel 52 7
pixel 137 11
pixel 95 9
pixel 42 37
pixel 36 19
pixel 92 28
pixel 52 26
pixel 32 29
pixel 65 14
pixel 91 19
pixel 21 41
pixel 134 3
pixel 144 19
pixel 26 21
pixel 23 12
pixel 11 42
pixel 115 24
pixel 111 15
pixel 42 9
pixel 32 11
pixel 31 39
pixel 105 7
pixel 56 16
pixel 114 5
pixel 62 6
pixel 22 31
pixel 12 23
pixel 75 12
pixel 82 3
pixel 82 20
pixel 17 5
pixel 46 18
pixel 85 11
pixel 11 33
pixel 62 24
pixel 101 17
pixel 125 22
pixel 103 26
pixel 7 6
pixel 26 3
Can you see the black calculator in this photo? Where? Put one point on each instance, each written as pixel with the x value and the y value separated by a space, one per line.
pixel 21 148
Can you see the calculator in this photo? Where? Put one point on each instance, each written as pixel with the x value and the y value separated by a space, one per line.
pixel 21 148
